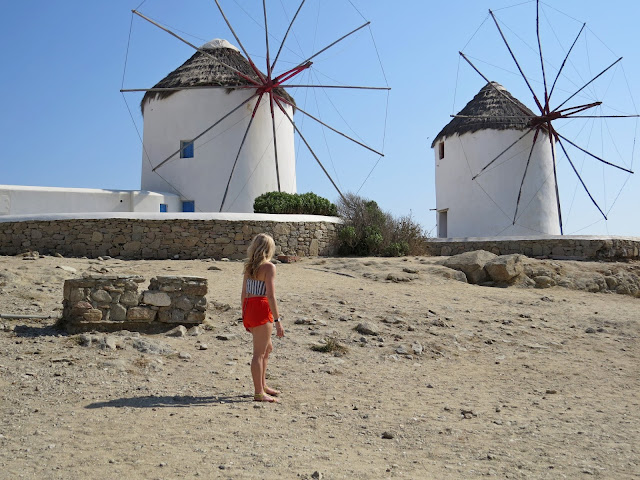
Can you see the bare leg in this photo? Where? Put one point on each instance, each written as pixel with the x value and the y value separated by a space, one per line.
pixel 267 390
pixel 261 341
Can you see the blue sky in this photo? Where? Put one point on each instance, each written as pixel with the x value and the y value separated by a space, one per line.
pixel 66 124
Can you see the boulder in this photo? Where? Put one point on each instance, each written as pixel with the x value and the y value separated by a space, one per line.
pixel 472 264
pixel 505 268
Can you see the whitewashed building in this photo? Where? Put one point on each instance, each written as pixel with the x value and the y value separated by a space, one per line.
pixel 178 160
pixel 195 179
pixel 476 200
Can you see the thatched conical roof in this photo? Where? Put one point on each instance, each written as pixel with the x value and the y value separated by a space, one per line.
pixel 202 70
pixel 499 111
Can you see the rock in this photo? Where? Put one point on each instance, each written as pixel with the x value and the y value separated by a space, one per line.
pixel 366 329
pixel 130 298
pixel 543 281
pixel 395 278
pixel 92 315
pixel 101 296
pixel 141 314
pixel 183 303
pixel 203 346
pixel 147 346
pixel 194 331
pixel 118 313
pixel 184 356
pixel 317 475
pixel 388 435
pixel 213 267
pixel 303 321
pixel 157 299
pixel 472 264
pixel 179 331
pixel 505 268
pixel 65 268
pixel 417 348
pixel 402 350
pixel 108 343
pixel 226 336
pixel 85 340
pixel 590 330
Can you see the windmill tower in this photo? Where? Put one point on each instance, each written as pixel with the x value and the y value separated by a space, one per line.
pixel 502 201
pixel 223 168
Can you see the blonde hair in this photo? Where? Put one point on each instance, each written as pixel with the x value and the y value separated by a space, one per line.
pixel 260 251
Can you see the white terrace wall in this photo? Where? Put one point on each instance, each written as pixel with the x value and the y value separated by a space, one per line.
pixel 161 236
pixel 25 200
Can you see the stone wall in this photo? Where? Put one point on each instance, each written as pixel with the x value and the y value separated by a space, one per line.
pixel 112 302
pixel 136 238
pixel 558 247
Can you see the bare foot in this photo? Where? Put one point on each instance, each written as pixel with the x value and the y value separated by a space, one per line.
pixel 271 391
pixel 263 397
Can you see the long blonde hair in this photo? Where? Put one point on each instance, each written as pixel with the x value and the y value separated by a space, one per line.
pixel 260 251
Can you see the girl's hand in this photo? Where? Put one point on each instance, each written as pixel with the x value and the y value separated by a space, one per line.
pixel 279 329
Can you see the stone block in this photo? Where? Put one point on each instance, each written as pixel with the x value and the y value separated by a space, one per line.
pixel 118 313
pixel 101 296
pixel 130 298
pixel 92 315
pixel 195 317
pixel 141 314
pixel 158 299
pixel 183 303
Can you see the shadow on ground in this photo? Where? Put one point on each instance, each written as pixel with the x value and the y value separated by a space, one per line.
pixel 170 401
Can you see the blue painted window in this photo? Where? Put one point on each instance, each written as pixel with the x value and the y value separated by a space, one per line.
pixel 188 206
pixel 186 148
pixel 163 207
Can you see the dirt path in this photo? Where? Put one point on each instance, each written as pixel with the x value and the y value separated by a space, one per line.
pixel 466 381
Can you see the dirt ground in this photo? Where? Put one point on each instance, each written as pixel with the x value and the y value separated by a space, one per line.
pixel 449 380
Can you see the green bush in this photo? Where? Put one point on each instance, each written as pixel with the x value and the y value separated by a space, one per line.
pixel 289 203
pixel 367 230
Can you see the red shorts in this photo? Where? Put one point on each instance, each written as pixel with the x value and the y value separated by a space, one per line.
pixel 256 312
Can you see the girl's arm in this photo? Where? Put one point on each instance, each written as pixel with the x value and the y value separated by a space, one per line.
pixel 270 283
pixel 244 289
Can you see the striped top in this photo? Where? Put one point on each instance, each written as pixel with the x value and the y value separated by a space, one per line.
pixel 256 287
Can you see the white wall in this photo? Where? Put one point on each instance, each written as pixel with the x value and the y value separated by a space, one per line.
pixel 186 114
pixel 25 200
pixel 485 207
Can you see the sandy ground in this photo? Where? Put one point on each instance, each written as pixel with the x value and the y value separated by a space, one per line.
pixel 465 381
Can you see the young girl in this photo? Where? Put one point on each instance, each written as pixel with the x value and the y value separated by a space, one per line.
pixel 260 311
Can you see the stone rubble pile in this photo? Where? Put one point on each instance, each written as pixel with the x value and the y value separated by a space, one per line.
pixel 113 302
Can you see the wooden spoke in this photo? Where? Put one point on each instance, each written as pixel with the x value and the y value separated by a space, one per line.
pixel 502 153
pixel 594 156
pixel 273 66
pixel 580 178
pixel 244 138
pixel 495 20
pixel 309 148
pixel 533 144
pixel 588 83
pixel 206 131
pixel 328 126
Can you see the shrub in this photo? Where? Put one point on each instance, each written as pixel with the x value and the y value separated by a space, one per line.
pixel 367 230
pixel 288 203
pixel 331 345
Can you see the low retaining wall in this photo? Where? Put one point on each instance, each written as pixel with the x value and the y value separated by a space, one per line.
pixel 112 302
pixel 557 247
pixel 162 236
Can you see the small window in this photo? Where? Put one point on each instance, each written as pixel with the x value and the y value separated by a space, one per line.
pixel 441 150
pixel 163 208
pixel 189 206
pixel 186 148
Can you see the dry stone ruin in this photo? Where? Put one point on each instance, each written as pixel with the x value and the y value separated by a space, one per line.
pixel 113 302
